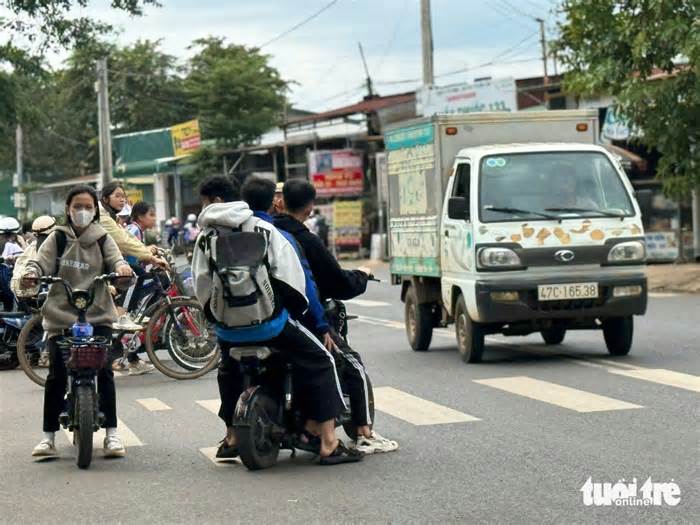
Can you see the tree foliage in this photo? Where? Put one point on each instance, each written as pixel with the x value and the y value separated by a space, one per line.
pixel 238 95
pixel 646 54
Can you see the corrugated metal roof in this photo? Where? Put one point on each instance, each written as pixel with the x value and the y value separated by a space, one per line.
pixel 366 106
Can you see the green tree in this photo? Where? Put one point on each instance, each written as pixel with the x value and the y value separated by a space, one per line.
pixel 238 95
pixel 616 47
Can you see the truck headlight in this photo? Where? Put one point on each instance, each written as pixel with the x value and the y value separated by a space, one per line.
pixel 498 258
pixel 630 251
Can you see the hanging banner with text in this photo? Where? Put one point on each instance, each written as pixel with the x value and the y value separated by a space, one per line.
pixel 186 138
pixel 485 95
pixel 336 172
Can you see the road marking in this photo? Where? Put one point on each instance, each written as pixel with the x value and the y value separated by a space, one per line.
pixel 127 436
pixel 415 410
pixel 153 404
pixel 210 454
pixel 380 322
pixel 367 303
pixel 212 405
pixel 663 377
pixel 660 295
pixel 563 396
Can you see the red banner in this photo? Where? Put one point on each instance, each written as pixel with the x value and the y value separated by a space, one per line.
pixel 336 172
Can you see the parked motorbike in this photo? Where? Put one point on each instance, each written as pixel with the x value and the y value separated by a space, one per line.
pixel 11 324
pixel 84 354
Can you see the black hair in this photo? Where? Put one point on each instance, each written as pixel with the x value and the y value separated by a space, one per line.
pixel 140 209
pixel 77 190
pixel 258 193
pixel 298 194
pixel 110 188
pixel 219 186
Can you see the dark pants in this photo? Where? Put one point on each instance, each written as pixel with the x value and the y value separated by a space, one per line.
pixel 353 377
pixel 315 376
pixel 56 384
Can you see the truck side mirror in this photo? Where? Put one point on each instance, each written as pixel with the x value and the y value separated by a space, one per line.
pixel 457 208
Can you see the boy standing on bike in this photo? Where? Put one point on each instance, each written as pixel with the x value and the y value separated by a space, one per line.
pixel 77 253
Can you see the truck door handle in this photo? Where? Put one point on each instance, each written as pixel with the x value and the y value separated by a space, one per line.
pixel 447 233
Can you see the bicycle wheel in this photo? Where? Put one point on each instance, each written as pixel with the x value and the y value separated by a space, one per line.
pixel 181 309
pixel 192 342
pixel 31 351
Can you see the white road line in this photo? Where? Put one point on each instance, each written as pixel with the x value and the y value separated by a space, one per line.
pixel 660 295
pixel 210 454
pixel 367 303
pixel 563 396
pixel 153 404
pixel 128 437
pixel 212 405
pixel 614 364
pixel 380 322
pixel 663 377
pixel 415 410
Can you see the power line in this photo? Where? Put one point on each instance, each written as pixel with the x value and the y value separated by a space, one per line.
pixel 508 5
pixel 297 26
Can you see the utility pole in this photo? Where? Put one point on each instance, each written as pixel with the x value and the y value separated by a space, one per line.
pixel 427 42
pixel 19 144
pixel 543 42
pixel 370 92
pixel 104 123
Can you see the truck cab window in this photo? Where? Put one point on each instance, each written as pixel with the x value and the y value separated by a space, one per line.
pixel 461 186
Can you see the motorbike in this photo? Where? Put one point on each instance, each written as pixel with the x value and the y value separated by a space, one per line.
pixel 11 324
pixel 84 355
pixel 266 418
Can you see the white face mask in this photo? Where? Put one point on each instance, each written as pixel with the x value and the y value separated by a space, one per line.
pixel 82 218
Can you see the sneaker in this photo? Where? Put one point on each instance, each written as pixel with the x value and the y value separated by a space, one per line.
pixel 140 367
pixel 126 324
pixel 113 447
pixel 45 448
pixel 226 452
pixel 374 444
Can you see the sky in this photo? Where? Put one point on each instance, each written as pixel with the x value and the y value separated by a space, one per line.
pixel 322 59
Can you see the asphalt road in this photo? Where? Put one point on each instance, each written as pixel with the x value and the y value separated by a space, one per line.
pixel 511 440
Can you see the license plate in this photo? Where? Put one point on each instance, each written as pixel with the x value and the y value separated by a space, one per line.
pixel 565 292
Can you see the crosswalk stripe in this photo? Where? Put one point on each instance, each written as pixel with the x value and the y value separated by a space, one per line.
pixel 153 404
pixel 129 439
pixel 563 396
pixel 415 410
pixel 367 303
pixel 663 377
pixel 210 454
pixel 212 405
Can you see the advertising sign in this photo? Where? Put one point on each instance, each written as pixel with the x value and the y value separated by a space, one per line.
pixel 485 95
pixel 186 138
pixel 336 172
pixel 615 126
pixel 347 224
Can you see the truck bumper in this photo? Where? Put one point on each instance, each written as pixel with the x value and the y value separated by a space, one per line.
pixel 528 307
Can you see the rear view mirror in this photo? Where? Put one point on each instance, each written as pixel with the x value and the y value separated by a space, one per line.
pixel 457 208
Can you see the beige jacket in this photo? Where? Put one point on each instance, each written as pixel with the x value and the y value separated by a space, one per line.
pixel 127 243
pixel 81 262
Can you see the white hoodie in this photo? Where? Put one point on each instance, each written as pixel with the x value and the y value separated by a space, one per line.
pixel 282 258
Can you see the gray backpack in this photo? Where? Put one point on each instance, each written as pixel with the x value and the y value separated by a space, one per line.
pixel 242 293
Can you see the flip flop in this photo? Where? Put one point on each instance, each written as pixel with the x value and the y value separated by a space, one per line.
pixel 342 454
pixel 312 443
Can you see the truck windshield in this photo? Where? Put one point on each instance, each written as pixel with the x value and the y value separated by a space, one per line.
pixel 564 184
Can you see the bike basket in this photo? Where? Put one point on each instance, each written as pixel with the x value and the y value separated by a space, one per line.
pixel 87 357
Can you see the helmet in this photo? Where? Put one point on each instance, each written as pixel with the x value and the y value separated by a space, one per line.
pixel 125 211
pixel 169 222
pixel 43 224
pixel 191 218
pixel 9 225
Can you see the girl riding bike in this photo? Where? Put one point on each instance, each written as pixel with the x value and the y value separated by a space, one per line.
pixel 78 253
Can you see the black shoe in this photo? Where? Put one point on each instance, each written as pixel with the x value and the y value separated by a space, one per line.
pixel 226 452
pixel 342 454
pixel 308 442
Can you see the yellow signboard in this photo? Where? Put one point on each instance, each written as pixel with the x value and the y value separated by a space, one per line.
pixel 347 223
pixel 133 196
pixel 186 138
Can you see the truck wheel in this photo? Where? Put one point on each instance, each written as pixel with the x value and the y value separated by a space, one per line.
pixel 470 335
pixel 554 335
pixel 618 333
pixel 419 322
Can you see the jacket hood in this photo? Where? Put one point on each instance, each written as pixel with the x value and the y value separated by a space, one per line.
pixel 231 214
pixel 93 232
pixel 289 223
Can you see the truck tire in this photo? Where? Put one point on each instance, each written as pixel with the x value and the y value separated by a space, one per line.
pixel 470 335
pixel 554 335
pixel 418 321
pixel 618 333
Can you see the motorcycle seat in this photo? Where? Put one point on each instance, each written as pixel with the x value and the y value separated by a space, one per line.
pixel 259 351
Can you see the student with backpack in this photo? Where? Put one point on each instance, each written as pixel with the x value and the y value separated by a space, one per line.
pixel 258 302
pixel 78 253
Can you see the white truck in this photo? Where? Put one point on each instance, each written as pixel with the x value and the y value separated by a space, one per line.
pixel 513 223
